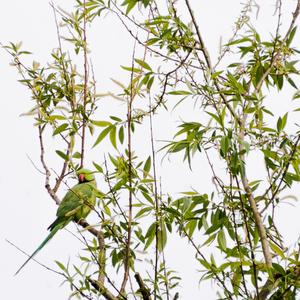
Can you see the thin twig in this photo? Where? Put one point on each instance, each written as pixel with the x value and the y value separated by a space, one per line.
pixel 34 165
pixel 51 270
pixel 157 225
pixel 129 145
pixel 256 214
pixel 34 259
pixel 238 243
pixel 157 212
pixel 244 213
pixel 84 120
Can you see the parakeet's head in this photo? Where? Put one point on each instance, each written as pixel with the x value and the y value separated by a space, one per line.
pixel 85 175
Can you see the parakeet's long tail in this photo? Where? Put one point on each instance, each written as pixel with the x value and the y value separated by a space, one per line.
pixel 46 240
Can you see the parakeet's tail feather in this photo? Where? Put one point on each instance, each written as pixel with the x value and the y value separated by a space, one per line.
pixel 46 240
pixel 59 221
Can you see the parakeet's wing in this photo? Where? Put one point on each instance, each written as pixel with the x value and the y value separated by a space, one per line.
pixel 80 195
pixel 76 200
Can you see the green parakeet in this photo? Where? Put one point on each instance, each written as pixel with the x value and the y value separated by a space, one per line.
pixel 76 205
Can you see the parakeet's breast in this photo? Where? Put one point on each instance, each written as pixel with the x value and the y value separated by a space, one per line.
pixel 87 199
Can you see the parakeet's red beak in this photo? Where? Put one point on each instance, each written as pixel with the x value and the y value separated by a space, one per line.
pixel 81 177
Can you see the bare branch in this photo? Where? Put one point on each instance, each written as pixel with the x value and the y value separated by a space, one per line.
pixel 84 120
pixel 129 145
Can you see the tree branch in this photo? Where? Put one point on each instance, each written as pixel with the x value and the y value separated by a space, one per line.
pixel 102 289
pixel 143 288
pixel 129 145
pixel 84 120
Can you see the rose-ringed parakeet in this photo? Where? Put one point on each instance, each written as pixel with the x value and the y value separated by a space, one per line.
pixel 76 205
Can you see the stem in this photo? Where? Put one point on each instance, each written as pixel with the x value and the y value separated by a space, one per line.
pixel 129 122
pixel 248 236
pixel 84 121
pixel 256 214
pixel 238 243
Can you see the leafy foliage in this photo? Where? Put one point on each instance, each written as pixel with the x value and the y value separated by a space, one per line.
pixel 232 226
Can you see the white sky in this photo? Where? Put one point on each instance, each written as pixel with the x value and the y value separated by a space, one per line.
pixel 27 209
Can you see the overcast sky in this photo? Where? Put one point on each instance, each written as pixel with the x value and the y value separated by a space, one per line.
pixel 27 210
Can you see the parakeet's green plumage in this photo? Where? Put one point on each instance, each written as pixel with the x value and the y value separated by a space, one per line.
pixel 76 205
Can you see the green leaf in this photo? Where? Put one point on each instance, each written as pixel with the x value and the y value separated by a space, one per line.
pixel 210 239
pixel 291 82
pixel 61 266
pixel 62 155
pixel 112 136
pixel 284 120
pixel 148 198
pixel 76 155
pixel 220 121
pixel 216 74
pixel 56 117
pixel 98 167
pixel 277 250
pixel 279 81
pixel 101 123
pixel 205 264
pixel 143 212
pixel 102 135
pixel 296 95
pixel 121 134
pixel 291 36
pixel 150 82
pixel 147 167
pixel 115 118
pixel 130 69
pixel 60 129
pixel 130 5
pixel 161 237
pixel 222 240
pixel 225 144
pixel 214 227
pixel 143 64
pixel 190 227
pixel 278 268
pixel 178 146
pixel 281 122
pixel 180 93
pixel 239 41
pixel 146 2
pixel 150 235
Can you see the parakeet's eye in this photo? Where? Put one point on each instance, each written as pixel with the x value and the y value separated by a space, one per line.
pixel 81 177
